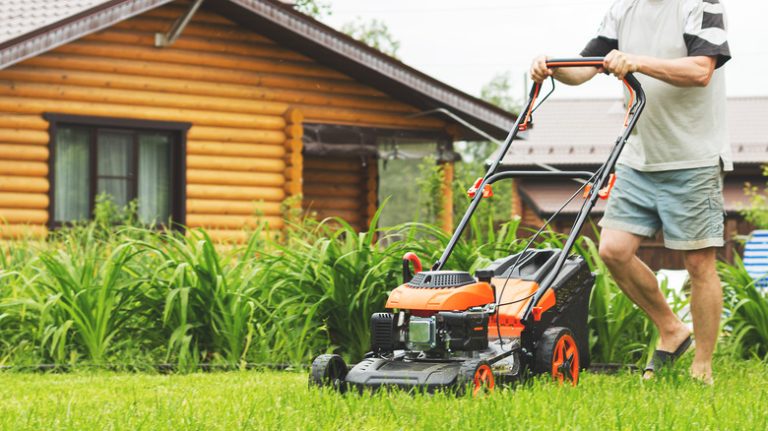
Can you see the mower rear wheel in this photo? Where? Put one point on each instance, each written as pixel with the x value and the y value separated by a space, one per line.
pixel 476 376
pixel 329 371
pixel 558 355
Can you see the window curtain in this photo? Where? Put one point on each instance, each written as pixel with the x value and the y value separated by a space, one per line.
pixel 72 175
pixel 154 178
pixel 115 166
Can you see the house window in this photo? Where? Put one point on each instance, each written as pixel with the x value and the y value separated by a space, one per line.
pixel 128 160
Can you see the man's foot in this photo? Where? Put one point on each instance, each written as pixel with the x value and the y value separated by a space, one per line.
pixel 667 356
pixel 702 373
pixel 671 341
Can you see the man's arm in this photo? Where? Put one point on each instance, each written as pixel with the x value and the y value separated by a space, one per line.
pixel 566 75
pixel 681 72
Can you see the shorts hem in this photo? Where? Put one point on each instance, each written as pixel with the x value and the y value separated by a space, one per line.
pixel 627 227
pixel 696 244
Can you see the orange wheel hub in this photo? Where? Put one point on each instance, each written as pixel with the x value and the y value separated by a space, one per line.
pixel 483 380
pixel 565 361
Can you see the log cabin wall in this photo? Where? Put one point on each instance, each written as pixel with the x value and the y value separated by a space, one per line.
pixel 237 89
pixel 341 187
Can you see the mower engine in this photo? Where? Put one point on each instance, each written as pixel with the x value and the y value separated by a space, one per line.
pixel 441 335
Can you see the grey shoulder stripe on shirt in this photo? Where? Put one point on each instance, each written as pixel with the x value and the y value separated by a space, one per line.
pixel 711 1
pixel 712 20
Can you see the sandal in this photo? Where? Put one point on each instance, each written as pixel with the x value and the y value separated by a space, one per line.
pixel 663 358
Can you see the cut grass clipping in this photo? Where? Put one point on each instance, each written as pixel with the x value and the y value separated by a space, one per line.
pixel 281 400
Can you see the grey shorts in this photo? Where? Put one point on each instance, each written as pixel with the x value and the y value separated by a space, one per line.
pixel 687 204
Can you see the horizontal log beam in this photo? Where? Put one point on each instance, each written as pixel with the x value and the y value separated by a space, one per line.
pixel 233 221
pixel 23 184
pixel 243 164
pixel 23 152
pixel 200 191
pixel 23 216
pixel 217 206
pixel 23 169
pixel 22 136
pixel 319 190
pixel 24 200
pixel 229 134
pixel 311 177
pixel 333 203
pixel 217 177
pixel 29 122
pixel 234 149
pixel 368 117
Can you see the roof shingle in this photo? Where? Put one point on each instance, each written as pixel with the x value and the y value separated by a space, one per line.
pixel 19 17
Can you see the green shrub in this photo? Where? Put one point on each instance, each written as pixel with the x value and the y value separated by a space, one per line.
pixel 746 311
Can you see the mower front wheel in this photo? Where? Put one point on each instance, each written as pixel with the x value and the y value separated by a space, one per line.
pixel 329 371
pixel 476 376
pixel 558 355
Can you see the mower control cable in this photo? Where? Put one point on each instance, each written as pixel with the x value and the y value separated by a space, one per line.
pixel 518 263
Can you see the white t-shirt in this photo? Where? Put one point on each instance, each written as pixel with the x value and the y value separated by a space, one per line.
pixel 681 127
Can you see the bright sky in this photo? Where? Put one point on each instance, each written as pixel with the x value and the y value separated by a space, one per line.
pixel 465 43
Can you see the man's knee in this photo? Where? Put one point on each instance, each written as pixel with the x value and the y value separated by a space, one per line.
pixel 615 252
pixel 700 263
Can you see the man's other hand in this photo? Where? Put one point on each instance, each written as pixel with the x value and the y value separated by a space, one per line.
pixel 539 69
pixel 620 64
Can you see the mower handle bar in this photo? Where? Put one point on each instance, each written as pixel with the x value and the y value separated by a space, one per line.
pixel 636 105
pixel 631 81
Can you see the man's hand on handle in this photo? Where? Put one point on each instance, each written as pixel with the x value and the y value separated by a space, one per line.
pixel 619 64
pixel 539 69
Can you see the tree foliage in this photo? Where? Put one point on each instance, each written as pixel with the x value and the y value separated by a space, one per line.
pixel 317 9
pixel 374 33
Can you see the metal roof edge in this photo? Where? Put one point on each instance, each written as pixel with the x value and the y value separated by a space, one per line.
pixel 70 28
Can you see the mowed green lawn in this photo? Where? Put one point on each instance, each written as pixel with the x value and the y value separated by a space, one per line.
pixel 281 400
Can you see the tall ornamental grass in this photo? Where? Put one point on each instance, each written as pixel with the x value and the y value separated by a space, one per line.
pixel 99 294
pixel 746 319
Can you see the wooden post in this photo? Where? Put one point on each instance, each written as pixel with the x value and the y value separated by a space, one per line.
pixel 372 191
pixel 517 203
pixel 446 207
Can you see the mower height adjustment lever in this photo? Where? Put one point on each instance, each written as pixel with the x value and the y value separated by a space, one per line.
pixel 605 192
pixel 487 190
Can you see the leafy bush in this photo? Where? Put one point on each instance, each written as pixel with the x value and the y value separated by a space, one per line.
pixel 746 311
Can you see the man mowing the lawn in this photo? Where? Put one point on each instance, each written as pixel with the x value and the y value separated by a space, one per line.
pixel 669 176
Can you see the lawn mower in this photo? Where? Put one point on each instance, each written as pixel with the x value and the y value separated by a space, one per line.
pixel 523 315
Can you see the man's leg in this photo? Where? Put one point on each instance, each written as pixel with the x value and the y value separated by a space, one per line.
pixel 618 250
pixel 706 308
